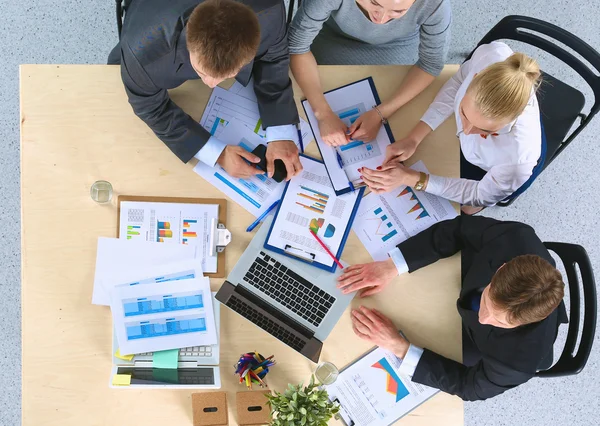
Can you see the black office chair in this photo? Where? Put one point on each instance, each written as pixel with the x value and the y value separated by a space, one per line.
pixel 571 362
pixel 560 104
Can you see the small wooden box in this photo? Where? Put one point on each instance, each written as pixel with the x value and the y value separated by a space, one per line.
pixel 252 408
pixel 210 409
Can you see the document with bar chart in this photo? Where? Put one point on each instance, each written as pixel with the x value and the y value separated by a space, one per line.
pixel 385 220
pixel 256 193
pixel 310 204
pixel 171 223
pixel 349 103
pixel 374 391
pixel 153 313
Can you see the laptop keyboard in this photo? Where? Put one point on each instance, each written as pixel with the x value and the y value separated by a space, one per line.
pixel 288 288
pixel 193 351
pixel 265 323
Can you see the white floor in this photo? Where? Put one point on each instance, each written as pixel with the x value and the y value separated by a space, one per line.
pixel 562 205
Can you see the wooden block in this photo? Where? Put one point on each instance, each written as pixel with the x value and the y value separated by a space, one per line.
pixel 252 408
pixel 210 408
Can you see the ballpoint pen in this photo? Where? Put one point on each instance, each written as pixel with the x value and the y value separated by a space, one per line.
pixel 341 164
pixel 335 259
pixel 300 138
pixel 261 217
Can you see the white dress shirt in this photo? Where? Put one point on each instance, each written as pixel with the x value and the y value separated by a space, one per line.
pixel 507 156
pixel 210 152
pixel 412 357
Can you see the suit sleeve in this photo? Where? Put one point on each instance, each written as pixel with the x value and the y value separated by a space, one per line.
pixel 272 84
pixel 448 237
pixel 481 381
pixel 180 132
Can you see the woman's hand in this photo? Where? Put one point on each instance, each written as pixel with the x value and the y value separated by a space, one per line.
pixel 333 130
pixel 374 327
pixel 400 150
pixel 365 128
pixel 369 278
pixel 388 177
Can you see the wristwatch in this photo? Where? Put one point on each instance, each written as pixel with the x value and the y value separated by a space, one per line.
pixel 422 183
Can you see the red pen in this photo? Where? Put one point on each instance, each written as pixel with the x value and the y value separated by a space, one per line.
pixel 326 249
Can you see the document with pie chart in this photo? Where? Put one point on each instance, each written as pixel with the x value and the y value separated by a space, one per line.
pixel 385 220
pixel 374 392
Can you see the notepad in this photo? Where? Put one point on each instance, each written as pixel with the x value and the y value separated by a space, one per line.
pixel 123 357
pixel 165 359
pixel 121 380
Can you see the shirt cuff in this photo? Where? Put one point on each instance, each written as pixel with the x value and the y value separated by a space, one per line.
pixel 410 361
pixel 210 152
pixel 286 132
pixel 433 118
pixel 399 261
pixel 436 185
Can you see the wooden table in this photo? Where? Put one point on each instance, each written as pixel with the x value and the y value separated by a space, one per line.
pixel 77 127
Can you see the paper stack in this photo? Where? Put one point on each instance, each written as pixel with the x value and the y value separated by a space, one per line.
pixel 158 295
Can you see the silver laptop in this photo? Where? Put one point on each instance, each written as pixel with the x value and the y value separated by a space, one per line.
pixel 197 366
pixel 297 303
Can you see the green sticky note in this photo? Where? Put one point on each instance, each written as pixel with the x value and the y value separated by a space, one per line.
pixel 165 375
pixel 165 359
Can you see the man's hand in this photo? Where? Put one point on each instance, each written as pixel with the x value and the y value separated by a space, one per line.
pixel 333 130
pixel 388 177
pixel 286 151
pixel 400 150
pixel 372 326
pixel 365 128
pixel 369 278
pixel 233 160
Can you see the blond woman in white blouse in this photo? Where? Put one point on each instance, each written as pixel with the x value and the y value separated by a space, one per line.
pixel 497 116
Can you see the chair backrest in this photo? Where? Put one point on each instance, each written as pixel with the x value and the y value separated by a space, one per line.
pixel 571 362
pixel 519 28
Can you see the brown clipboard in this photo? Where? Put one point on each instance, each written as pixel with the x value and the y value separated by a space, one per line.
pixel 183 200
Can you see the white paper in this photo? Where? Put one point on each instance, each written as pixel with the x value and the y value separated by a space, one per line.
pixel 385 220
pixel 311 203
pixel 117 259
pixel 154 313
pixel 255 194
pixel 248 93
pixel 349 103
pixel 171 223
pixel 372 392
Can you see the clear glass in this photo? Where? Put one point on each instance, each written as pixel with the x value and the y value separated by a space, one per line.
pixel 101 191
pixel 326 373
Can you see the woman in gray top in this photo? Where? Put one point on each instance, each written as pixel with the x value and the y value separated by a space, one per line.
pixel 363 32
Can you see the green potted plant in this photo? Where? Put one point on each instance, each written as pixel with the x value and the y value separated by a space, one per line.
pixel 309 406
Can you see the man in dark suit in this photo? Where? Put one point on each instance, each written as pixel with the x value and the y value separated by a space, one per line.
pixel 510 304
pixel 165 43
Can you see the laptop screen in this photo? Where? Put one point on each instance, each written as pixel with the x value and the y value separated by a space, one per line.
pixel 159 376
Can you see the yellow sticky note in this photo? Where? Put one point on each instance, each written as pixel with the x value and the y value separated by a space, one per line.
pixel 123 357
pixel 121 380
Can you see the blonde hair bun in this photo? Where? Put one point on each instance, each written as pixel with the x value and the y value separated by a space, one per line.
pixel 526 65
pixel 502 90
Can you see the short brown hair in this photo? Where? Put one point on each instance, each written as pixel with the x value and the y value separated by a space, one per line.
pixel 528 288
pixel 225 33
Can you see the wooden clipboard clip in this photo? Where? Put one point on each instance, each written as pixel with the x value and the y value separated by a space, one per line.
pixel 299 253
pixel 220 237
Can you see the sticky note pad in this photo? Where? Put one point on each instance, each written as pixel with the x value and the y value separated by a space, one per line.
pixel 165 359
pixel 123 357
pixel 121 380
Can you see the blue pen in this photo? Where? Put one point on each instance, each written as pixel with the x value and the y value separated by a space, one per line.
pixel 341 164
pixel 261 217
pixel 300 138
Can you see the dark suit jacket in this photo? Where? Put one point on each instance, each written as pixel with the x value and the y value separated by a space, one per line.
pixel 154 58
pixel 509 357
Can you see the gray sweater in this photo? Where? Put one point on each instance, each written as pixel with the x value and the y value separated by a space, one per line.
pixel 338 32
